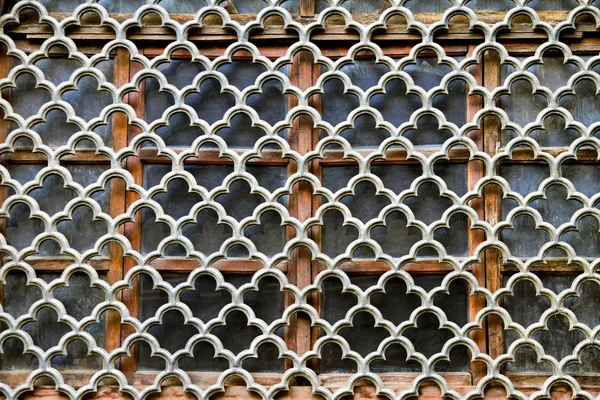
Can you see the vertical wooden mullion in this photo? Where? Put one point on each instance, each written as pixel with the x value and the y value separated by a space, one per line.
pixel 316 233
pixel 493 202
pixel 133 231
pixel 299 270
pixel 5 67
pixel 290 334
pixel 475 172
pixel 305 143
pixel 117 200
pixel 307 8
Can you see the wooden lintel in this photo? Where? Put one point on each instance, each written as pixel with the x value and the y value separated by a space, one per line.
pixel 526 155
pixel 274 157
pixel 427 391
pixel 396 382
pixel 459 32
pixel 212 30
pixel 229 266
pixel 59 264
pixel 371 267
pixel 552 17
pixel 548 267
pixel 82 156
pixel 393 156
pixel 213 157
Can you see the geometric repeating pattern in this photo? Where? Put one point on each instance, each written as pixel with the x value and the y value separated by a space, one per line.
pixel 422 141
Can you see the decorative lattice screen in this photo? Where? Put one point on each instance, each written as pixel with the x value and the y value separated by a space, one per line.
pixel 300 198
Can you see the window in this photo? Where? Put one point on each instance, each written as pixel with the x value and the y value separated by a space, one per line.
pixel 299 198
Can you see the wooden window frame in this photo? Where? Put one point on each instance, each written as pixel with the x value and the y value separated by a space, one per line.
pixel 302 270
pixel 496 270
pixel 112 265
pixel 135 165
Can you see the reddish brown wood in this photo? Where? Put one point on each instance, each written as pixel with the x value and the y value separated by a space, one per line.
pixel 395 42
pixel 290 233
pixel 335 32
pixel 45 392
pixel 307 8
pixel 317 170
pixel 560 266
pixel 533 382
pixel 527 48
pixel 59 264
pixel 205 379
pixel 229 266
pixel 474 173
pixel 396 382
pixel 212 157
pixel 73 378
pixel 392 156
pixel 213 49
pixel 212 45
pixel 394 48
pixel 369 267
pixel 117 201
pixel 493 203
pixel 235 388
pixel 133 231
pixel 5 67
pixel 212 31
pixel 428 391
pixel 526 155
pixel 299 271
pixel 80 157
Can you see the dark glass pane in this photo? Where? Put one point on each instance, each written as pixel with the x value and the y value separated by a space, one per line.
pixel 205 302
pixel 521 105
pixel 179 131
pixel 585 177
pixel 524 240
pixel 395 237
pixel 206 233
pixel 271 104
pixel 397 105
pixel 433 6
pixel 396 305
pixel 357 6
pixel 52 198
pixel 556 209
pixel 79 299
pixel 553 72
pixel 526 308
pixel 241 133
pixel 552 5
pixel 583 105
pixel 491 5
pixel 337 103
pixel 211 103
pixel 87 100
pixel 586 240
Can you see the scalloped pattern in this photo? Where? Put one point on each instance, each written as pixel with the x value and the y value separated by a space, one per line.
pixel 59 98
